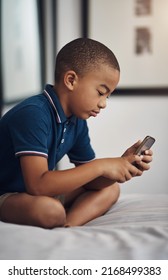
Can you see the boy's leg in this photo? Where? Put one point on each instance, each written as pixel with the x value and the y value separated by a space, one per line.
pixel 48 212
pixel 42 211
pixel 91 204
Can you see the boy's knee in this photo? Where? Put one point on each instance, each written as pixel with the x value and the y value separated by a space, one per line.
pixel 114 193
pixel 116 190
pixel 49 212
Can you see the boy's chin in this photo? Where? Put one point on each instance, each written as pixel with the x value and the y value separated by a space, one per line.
pixel 83 116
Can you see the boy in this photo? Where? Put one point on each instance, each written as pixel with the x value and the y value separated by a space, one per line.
pixel 39 131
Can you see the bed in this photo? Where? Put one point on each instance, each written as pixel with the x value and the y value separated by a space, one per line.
pixel 136 227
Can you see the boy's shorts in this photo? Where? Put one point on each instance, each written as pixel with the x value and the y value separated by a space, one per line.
pixel 5 196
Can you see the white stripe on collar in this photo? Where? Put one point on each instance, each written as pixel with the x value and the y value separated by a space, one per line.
pixel 52 103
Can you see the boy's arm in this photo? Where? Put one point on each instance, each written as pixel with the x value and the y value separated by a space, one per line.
pixel 102 182
pixel 40 181
pixel 98 183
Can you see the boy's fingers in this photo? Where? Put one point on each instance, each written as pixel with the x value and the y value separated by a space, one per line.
pixel 149 152
pixel 135 158
pixel 132 149
pixel 144 166
pixel 136 171
pixel 147 158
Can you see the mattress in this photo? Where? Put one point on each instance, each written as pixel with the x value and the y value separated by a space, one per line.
pixel 136 227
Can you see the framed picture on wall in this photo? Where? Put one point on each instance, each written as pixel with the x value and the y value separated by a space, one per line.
pixel 21 73
pixel 137 32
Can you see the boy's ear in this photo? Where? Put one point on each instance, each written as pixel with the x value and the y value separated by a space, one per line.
pixel 70 79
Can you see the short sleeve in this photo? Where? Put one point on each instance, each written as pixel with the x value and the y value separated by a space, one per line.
pixel 28 131
pixel 82 150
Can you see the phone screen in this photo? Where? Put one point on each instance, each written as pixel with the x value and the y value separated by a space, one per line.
pixel 145 145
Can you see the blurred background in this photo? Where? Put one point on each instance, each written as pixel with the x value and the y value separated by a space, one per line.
pixel 33 31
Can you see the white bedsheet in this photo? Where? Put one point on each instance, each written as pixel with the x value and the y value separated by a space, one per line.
pixel 136 227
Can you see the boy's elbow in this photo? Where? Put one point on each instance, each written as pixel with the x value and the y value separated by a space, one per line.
pixel 34 190
pixel 36 186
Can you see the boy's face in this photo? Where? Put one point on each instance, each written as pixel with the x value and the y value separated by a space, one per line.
pixel 90 92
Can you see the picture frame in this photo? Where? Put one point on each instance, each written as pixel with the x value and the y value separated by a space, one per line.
pixel 21 49
pixel 136 31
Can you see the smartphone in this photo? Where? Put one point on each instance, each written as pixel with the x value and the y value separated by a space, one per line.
pixel 145 145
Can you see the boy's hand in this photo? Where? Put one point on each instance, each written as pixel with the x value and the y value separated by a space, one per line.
pixel 131 150
pixel 146 158
pixel 121 169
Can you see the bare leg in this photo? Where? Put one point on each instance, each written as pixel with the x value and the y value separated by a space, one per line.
pixel 91 204
pixel 48 212
pixel 39 211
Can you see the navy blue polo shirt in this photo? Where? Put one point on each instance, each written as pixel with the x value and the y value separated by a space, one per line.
pixel 38 126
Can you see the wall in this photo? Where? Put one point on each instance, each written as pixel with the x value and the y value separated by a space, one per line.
pixel 68 21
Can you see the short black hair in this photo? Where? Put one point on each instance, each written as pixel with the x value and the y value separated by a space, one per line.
pixel 82 55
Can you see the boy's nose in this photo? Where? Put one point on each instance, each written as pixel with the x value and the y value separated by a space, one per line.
pixel 102 103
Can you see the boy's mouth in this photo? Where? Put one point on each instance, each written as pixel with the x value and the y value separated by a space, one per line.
pixel 94 113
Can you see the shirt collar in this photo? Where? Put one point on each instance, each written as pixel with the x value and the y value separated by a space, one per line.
pixel 55 103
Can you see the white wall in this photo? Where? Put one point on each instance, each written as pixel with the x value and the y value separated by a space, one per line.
pixel 68 21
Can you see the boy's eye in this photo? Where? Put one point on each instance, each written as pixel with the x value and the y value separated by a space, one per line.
pixel 100 93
